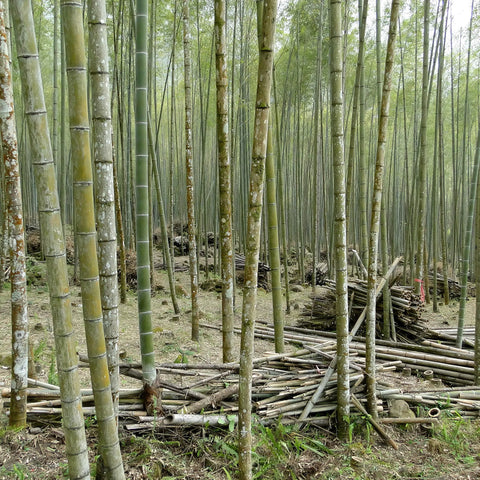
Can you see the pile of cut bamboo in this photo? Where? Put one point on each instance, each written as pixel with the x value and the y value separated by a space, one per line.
pixel 406 308
pixel 263 270
pixel 453 286
pixel 283 384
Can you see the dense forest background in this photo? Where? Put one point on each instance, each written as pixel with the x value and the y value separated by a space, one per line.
pixel 300 120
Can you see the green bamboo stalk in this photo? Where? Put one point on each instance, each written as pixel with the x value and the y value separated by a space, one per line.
pixel 163 221
pixel 281 203
pixel 255 204
pixel 104 185
pixel 52 238
pixel 476 370
pixel 192 251
pixel 370 365
pixel 363 169
pixel 172 144
pixel 85 235
pixel 224 176
pixel 436 156
pixel 465 260
pixel 18 277
pixel 142 193
pixel 273 242
pixel 340 233
pixel 419 218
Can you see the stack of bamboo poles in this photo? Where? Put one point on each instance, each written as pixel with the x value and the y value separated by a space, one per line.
pixel 283 385
pixel 450 364
pixel 453 286
pixel 286 385
pixel 406 306
pixel 263 269
pixel 449 335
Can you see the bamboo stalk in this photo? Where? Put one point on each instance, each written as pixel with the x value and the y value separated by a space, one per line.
pixel 375 424
pixel 407 420
pixel 213 399
pixel 200 420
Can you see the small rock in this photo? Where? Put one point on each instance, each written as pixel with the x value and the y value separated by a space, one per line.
pixel 400 409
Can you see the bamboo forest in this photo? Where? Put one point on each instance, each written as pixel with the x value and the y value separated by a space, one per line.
pixel 239 239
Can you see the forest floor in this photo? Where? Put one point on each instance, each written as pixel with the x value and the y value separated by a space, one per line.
pixel 450 451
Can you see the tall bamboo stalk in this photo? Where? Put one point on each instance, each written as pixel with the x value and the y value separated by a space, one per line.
pixel 273 242
pixel 104 184
pixel 477 286
pixel 419 218
pixel 192 244
pixel 52 238
pixel 363 167
pixel 142 193
pixel 224 176
pixel 340 230
pixel 465 260
pixel 376 211
pixel 85 235
pixel 255 204
pixel 18 276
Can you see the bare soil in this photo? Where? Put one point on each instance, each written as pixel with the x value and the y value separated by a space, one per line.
pixel 38 452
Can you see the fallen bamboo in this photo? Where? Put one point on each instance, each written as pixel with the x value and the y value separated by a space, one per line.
pixel 407 420
pixel 212 400
pixel 36 383
pixel 375 424
pixel 200 420
pixel 333 363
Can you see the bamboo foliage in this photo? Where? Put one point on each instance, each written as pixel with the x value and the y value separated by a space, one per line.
pixel 255 204
pixel 85 236
pixel 52 239
pixel 18 277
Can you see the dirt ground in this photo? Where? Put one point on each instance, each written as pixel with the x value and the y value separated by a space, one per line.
pixel 39 452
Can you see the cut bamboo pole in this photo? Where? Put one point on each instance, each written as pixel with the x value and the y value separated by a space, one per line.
pixel 374 423
pixel 212 400
pixel 407 420
pixel 200 420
